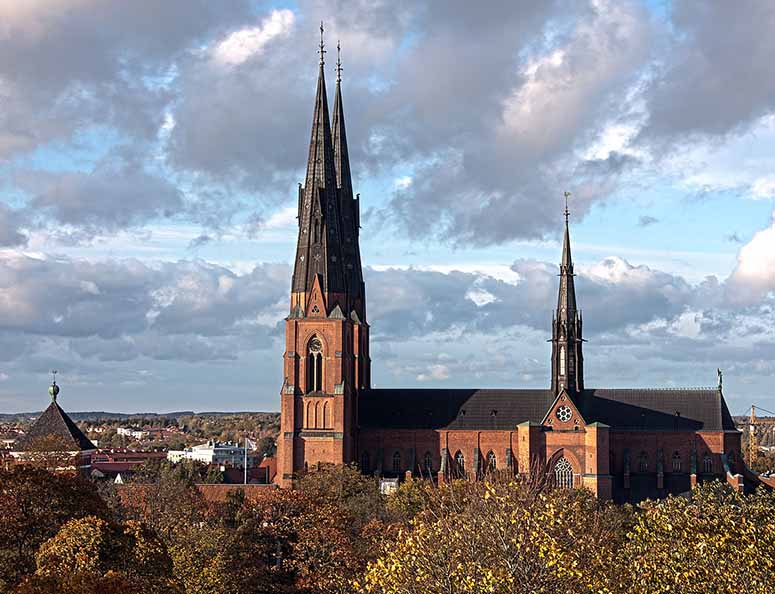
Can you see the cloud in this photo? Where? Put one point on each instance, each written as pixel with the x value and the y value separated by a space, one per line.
pixel 11 222
pixel 94 63
pixel 435 372
pixel 243 44
pixel 121 306
pixel 754 276
pixel 511 119
pixel 119 193
pixel 646 220
pixel 705 88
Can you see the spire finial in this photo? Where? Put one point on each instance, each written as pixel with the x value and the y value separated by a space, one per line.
pixel 321 51
pixel 53 389
pixel 567 212
pixel 338 61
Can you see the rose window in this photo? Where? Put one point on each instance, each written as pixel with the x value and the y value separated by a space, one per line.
pixel 564 413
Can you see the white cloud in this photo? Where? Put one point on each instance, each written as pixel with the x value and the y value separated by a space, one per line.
pixel 436 372
pixel 282 219
pixel 242 45
pixel 754 276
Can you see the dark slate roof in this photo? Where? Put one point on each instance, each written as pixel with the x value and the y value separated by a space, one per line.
pixel 54 423
pixel 623 409
pixel 451 409
pixel 657 409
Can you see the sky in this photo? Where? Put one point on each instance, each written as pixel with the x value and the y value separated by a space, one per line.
pixel 150 154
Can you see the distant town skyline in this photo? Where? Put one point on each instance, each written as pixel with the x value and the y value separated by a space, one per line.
pixel 147 226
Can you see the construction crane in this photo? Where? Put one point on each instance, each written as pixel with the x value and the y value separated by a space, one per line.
pixel 754 423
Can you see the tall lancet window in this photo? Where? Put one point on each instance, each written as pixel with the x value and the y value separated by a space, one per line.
pixel 315 365
pixel 562 360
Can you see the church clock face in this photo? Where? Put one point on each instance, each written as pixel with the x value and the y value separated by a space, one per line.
pixel 564 413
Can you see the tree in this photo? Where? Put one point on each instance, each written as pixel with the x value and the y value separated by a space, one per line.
pixel 34 504
pixel 717 540
pixel 357 495
pixel 98 547
pixel 110 583
pixel 267 446
pixel 502 536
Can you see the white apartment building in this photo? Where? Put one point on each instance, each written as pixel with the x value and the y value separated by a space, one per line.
pixel 131 432
pixel 215 453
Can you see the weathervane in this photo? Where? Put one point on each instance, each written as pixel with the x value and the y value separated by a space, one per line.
pixel 567 212
pixel 53 390
pixel 338 61
pixel 322 45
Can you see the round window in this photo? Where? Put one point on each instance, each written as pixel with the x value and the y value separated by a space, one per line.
pixel 564 413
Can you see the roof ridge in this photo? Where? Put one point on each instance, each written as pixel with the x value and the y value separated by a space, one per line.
pixel 674 389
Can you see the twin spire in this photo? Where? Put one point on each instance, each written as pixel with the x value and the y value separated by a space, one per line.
pixel 327 249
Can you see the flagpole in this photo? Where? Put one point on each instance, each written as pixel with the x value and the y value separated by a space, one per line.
pixel 246 460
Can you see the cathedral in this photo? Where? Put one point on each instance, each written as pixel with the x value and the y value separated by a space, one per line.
pixel 622 444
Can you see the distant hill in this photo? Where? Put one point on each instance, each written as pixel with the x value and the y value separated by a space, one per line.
pixel 112 416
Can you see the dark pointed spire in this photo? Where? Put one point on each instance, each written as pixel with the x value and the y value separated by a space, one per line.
pixel 566 301
pixel 567 359
pixel 350 204
pixel 318 251
pixel 341 156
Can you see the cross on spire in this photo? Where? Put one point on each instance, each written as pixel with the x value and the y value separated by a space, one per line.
pixel 567 212
pixel 338 61
pixel 322 51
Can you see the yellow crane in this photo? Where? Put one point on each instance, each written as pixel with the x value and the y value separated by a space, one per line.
pixel 754 423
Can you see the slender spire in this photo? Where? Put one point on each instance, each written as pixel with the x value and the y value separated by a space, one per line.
pixel 318 251
pixel 566 255
pixel 350 205
pixel 566 302
pixel 567 357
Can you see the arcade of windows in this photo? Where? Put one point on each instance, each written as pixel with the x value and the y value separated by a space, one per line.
pixel 318 415
pixel 426 465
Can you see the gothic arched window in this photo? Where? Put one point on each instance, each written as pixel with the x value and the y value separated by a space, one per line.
pixel 643 462
pixel 707 464
pixel 427 463
pixel 397 462
pixel 460 463
pixel 676 462
pixel 563 473
pixel 491 461
pixel 325 416
pixel 315 365
pixel 365 463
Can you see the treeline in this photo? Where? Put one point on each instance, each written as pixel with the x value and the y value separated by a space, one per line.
pixel 338 534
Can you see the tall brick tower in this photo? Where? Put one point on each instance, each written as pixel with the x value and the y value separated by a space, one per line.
pixel 326 357
pixel 567 339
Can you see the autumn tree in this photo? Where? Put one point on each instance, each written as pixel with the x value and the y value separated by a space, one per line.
pixel 34 504
pixel 502 536
pixel 717 540
pixel 98 547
